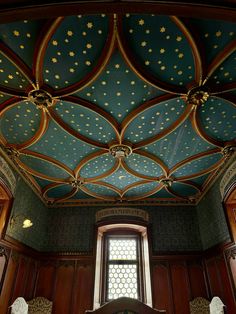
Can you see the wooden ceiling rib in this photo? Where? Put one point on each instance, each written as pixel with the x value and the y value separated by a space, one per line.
pixel 118 106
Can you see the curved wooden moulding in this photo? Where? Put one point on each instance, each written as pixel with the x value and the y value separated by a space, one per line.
pixel 23 9
pixel 220 58
pixel 199 130
pixel 101 64
pixel 137 174
pixel 145 106
pixel 41 46
pixel 66 196
pixel 98 196
pixel 138 69
pixel 176 195
pixel 196 53
pixel 88 159
pixel 95 109
pixel 192 158
pixel 167 131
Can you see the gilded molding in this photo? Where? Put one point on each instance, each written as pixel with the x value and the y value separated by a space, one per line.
pixel 111 212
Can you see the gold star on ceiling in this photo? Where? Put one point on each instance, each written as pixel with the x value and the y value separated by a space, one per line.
pixel 89 46
pixel 218 33
pixel 55 43
pixel 117 66
pixel 16 33
pixel 71 54
pixel 179 38
pixel 162 50
pixel 162 29
pixel 143 43
pixel 90 25
pixel 141 22
pixel 54 60
pixel 69 33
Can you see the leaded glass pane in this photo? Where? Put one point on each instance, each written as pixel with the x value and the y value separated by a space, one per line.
pixel 122 249
pixel 122 281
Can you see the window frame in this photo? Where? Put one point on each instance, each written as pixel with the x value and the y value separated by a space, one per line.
pixel 122 234
pixel 145 294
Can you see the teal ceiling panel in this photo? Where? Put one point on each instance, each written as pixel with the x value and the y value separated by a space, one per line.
pixel 4 97
pixel 162 194
pixel 121 179
pixel 200 180
pixel 142 189
pixel 213 35
pixel 97 166
pixel 101 190
pixel 44 167
pixel 41 182
pixel 160 47
pixel 85 121
pixel 218 119
pixel 179 145
pixel 59 191
pixel 20 122
pixel 143 165
pixel 80 195
pixel 198 165
pixel 119 90
pixel 154 120
pixel 10 75
pixel 77 44
pixel 60 145
pixel 225 73
pixel 21 37
pixel 183 189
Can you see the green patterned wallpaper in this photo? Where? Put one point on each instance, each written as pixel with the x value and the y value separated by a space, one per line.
pixel 27 203
pixel 212 222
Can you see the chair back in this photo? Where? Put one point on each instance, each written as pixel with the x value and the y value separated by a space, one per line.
pixel 40 305
pixel 19 306
pixel 217 306
pixel 199 305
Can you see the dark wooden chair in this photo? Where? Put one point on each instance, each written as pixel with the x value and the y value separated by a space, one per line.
pixel 125 306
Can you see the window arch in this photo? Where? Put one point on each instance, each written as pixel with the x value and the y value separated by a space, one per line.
pixel 132 268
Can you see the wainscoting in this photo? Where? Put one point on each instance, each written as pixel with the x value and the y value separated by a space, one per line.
pixel 67 280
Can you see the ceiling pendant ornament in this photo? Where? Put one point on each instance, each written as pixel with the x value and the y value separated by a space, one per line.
pixel 12 152
pixel 228 150
pixel 76 183
pixel 197 96
pixel 120 150
pixel 42 99
pixel 167 182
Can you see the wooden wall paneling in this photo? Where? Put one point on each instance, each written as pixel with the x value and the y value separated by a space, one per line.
pixel 181 287
pixel 63 287
pixel 226 288
pixel 231 261
pixel 31 279
pixel 20 279
pixel 8 284
pixel 83 288
pixel 45 280
pixel 197 279
pixel 162 290
pixel 213 277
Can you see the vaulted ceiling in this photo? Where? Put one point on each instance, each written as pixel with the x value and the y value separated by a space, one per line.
pixel 107 108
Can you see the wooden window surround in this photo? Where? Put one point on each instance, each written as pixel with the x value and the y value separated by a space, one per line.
pixel 122 232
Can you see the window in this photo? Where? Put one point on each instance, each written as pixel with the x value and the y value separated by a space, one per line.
pixel 122 267
pixel 122 264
